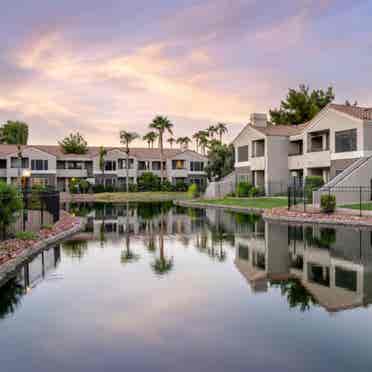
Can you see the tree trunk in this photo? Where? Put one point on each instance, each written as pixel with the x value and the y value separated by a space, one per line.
pixel 161 157
pixel 127 169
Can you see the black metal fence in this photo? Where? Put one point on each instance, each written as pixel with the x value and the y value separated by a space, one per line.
pixel 351 199
pixel 39 208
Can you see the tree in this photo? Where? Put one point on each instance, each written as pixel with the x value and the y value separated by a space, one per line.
pixel 74 144
pixel 126 138
pixel 150 138
pixel 127 255
pixel 200 137
pixel 161 124
pixel 347 103
pixel 301 105
pixel 183 142
pixel 10 205
pixel 211 131
pixel 171 141
pixel 102 155
pixel 221 129
pixel 14 133
pixel 220 160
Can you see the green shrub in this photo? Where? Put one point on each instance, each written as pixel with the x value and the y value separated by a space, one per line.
pixel 180 186
pixel 84 186
pixel 328 203
pixel 98 188
pixel 74 185
pixel 254 191
pixel 47 227
pixel 193 191
pixel 312 183
pixel 148 181
pixel 11 204
pixel 26 235
pixel 166 186
pixel 133 187
pixel 243 189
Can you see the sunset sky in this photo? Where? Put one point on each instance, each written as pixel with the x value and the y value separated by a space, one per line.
pixel 100 66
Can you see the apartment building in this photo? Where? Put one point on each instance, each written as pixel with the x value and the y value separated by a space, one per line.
pixel 330 145
pixel 48 165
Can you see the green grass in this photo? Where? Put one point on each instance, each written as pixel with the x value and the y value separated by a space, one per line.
pixel 365 206
pixel 26 235
pixel 259 203
pixel 117 197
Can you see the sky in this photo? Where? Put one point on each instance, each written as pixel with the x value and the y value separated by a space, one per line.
pixel 98 66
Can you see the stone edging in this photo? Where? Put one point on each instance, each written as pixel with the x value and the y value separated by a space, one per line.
pixel 9 269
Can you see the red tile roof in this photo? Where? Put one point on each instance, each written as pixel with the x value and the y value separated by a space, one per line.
pixel 363 113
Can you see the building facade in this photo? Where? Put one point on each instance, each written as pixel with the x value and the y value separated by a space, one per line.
pixel 49 166
pixel 328 146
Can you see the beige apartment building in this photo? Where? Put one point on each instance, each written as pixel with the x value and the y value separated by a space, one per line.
pixel 336 145
pixel 48 165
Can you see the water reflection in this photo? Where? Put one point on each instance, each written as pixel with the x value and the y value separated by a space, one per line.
pixel 28 277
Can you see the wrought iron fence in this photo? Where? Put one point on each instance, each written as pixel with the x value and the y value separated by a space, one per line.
pixel 348 198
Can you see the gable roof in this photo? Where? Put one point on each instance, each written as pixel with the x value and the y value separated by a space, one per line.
pixel 362 113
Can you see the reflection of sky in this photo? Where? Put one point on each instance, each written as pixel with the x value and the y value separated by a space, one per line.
pixel 202 316
pixel 98 65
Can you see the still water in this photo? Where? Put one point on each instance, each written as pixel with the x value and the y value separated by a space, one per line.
pixel 153 287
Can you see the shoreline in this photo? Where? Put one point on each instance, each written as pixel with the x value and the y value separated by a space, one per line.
pixel 9 268
pixel 346 218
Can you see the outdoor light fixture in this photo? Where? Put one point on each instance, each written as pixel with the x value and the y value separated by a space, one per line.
pixel 26 173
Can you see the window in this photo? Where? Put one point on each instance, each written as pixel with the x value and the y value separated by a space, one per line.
pixel 110 165
pixel 39 165
pixel 243 153
pixel 2 163
pixel 14 163
pixel 122 163
pixel 156 165
pixel 75 165
pixel 61 164
pixel 243 251
pixel 346 140
pixel 196 166
pixel 142 165
pixel 178 164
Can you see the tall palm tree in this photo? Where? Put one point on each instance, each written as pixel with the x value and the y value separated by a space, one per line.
pixel 161 124
pixel 183 142
pixel 204 143
pixel 171 141
pixel 126 138
pixel 221 129
pixel 150 138
pixel 211 131
pixel 199 136
pixel 102 155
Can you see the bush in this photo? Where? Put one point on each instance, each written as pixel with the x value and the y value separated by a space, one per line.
pixel 84 186
pixel 243 189
pixel 193 191
pixel 328 203
pixel 74 185
pixel 98 188
pixel 26 235
pixel 312 183
pixel 148 182
pixel 166 186
pixel 10 205
pixel 254 191
pixel 133 187
pixel 180 186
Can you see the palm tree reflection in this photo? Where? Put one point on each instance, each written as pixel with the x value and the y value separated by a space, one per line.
pixel 127 255
pixel 10 298
pixel 162 264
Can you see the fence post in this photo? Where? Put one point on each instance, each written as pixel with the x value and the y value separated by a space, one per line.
pixel 360 201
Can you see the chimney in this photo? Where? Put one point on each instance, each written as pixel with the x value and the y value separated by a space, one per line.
pixel 259 120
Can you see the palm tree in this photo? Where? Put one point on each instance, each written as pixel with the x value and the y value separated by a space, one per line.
pixel 183 142
pixel 203 143
pixel 221 129
pixel 126 138
pixel 199 136
pixel 211 131
pixel 150 138
pixel 102 154
pixel 171 141
pixel 161 124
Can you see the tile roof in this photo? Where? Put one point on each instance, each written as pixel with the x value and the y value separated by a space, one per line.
pixel 363 113
pixel 93 151
pixel 281 130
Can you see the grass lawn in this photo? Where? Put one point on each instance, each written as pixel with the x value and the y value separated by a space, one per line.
pixel 118 197
pixel 365 206
pixel 260 203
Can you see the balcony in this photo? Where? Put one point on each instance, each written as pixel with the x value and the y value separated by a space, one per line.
pixel 318 141
pixel 319 159
pixel 258 163
pixel 73 173
pixel 296 161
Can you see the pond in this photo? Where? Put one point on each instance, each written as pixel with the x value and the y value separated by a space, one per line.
pixel 155 287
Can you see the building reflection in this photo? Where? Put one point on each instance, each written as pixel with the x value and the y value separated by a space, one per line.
pixel 333 264
pixel 28 277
